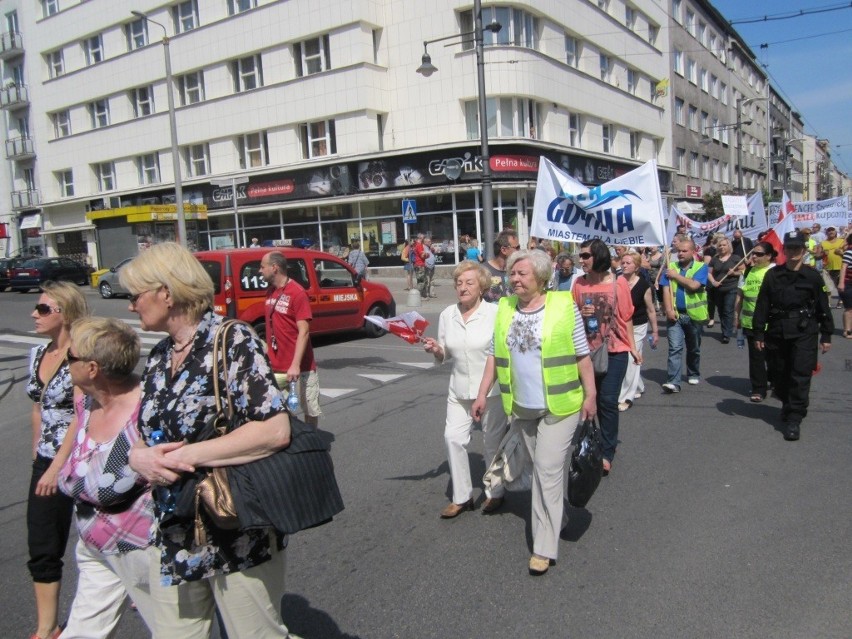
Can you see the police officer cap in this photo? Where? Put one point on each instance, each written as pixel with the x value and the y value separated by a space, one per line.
pixel 794 239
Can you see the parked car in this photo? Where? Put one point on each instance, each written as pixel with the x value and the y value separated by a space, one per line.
pixel 339 298
pixel 108 283
pixel 6 266
pixel 34 271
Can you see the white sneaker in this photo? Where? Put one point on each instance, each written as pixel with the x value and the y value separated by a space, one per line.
pixel 671 388
pixel 693 381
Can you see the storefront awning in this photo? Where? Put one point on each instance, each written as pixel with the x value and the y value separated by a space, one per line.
pixel 71 228
pixel 31 221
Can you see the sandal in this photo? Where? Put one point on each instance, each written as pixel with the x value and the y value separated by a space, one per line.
pixel 756 398
pixel 847 334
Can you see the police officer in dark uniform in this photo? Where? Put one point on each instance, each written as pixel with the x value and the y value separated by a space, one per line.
pixel 793 307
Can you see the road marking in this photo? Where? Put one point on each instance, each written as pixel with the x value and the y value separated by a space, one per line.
pixel 26 339
pixel 336 392
pixel 418 364
pixel 380 378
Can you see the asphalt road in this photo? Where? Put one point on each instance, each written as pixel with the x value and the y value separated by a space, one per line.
pixel 710 525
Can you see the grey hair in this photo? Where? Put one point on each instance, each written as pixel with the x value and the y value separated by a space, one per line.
pixel 540 261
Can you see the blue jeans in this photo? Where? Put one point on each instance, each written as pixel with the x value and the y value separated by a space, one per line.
pixel 683 332
pixel 608 388
pixel 725 303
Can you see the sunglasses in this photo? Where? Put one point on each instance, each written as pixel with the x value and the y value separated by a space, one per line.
pixel 585 256
pixel 73 358
pixel 756 254
pixel 135 298
pixel 44 310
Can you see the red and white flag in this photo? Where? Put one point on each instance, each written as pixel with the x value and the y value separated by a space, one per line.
pixel 785 225
pixel 410 326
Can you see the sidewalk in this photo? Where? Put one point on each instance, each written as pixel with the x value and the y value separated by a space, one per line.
pixel 443 288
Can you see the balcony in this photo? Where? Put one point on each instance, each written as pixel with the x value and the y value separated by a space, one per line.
pixel 22 200
pixel 14 96
pixel 20 148
pixel 11 45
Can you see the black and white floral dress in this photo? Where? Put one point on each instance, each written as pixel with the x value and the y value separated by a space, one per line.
pixel 56 399
pixel 183 408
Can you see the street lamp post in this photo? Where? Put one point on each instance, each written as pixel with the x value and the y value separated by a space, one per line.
pixel 426 69
pixel 181 217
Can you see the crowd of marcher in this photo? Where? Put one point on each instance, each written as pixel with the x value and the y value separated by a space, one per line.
pixel 525 342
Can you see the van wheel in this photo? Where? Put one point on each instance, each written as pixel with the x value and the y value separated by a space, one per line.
pixel 371 329
pixel 260 329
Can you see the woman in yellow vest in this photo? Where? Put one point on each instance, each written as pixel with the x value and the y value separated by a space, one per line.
pixel 540 359
pixel 761 261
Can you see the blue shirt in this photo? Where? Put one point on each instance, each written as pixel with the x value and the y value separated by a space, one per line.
pixel 700 277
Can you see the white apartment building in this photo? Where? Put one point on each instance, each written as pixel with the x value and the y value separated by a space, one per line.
pixel 316 111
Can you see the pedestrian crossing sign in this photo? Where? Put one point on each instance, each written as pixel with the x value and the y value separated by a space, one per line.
pixel 409 211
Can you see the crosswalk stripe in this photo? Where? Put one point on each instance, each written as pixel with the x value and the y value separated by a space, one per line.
pixel 381 378
pixel 419 364
pixel 26 339
pixel 333 393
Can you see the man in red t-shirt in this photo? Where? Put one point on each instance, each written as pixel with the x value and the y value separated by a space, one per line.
pixel 288 316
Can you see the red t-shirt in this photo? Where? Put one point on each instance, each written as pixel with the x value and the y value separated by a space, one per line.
pixel 285 306
pixel 606 311
pixel 418 254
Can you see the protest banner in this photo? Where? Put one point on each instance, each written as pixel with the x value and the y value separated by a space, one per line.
pixel 626 211
pixel 831 212
pixel 735 205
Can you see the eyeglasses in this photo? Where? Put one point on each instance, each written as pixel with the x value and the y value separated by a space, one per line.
pixel 585 256
pixel 512 247
pixel 44 310
pixel 135 298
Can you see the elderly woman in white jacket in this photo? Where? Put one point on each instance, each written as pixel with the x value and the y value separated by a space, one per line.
pixel 464 333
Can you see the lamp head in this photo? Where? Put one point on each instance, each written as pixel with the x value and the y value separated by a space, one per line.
pixel 139 14
pixel 426 67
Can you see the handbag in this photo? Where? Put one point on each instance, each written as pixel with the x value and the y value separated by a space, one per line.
pixel 291 490
pixel 586 467
pixel 213 492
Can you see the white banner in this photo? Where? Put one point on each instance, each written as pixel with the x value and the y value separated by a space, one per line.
pixel 832 212
pixel 751 225
pixel 625 211
pixel 735 204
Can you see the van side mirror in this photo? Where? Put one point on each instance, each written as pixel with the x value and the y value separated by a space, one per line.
pixel 358 279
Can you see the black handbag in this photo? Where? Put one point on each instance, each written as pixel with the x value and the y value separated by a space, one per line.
pixel 586 467
pixel 292 489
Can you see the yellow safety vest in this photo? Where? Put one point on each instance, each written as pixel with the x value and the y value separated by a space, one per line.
pixel 751 287
pixel 562 388
pixel 696 303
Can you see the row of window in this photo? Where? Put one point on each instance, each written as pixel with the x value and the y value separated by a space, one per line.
pixel 317 138
pixel 687 115
pixel 700 77
pixel 184 14
pixel 574 50
pixel 632 18
pixel 708 169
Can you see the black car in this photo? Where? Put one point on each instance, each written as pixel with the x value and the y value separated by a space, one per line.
pixel 33 272
pixel 6 266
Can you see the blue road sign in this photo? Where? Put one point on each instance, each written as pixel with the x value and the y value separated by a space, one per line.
pixel 409 211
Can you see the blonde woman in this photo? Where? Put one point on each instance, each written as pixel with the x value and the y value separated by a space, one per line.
pixel 53 430
pixel 644 315
pixel 239 573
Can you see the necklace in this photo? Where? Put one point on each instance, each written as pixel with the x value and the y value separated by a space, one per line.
pixel 175 349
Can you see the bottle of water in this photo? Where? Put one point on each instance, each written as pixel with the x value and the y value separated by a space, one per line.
pixel 592 320
pixel 740 339
pixel 652 343
pixel 164 497
pixel 293 398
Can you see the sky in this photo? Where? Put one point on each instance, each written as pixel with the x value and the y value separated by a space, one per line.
pixel 811 73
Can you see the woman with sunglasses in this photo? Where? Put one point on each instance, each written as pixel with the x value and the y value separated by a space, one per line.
pixel 761 261
pixel 53 428
pixel 607 308
pixel 113 505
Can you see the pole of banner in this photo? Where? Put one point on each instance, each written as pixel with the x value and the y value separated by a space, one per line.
pixel 742 239
pixel 737 265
